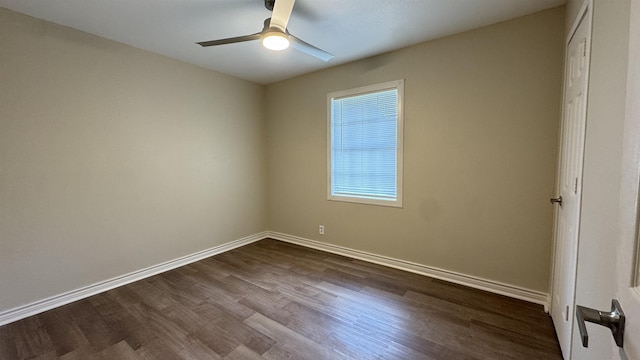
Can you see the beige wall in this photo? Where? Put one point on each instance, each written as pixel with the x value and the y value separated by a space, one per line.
pixel 113 159
pixel 482 115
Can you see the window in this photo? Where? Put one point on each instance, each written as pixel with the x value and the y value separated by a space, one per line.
pixel 365 144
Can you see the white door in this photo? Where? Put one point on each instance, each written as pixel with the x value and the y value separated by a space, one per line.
pixel 628 264
pixel 621 260
pixel 570 180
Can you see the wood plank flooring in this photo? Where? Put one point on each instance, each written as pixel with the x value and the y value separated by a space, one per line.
pixel 274 300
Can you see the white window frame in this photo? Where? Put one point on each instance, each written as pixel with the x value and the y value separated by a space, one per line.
pixel 399 86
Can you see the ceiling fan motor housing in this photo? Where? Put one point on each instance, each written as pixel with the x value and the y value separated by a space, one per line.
pixel 269 4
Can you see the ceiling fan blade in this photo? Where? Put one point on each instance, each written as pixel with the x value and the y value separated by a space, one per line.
pixel 281 14
pixel 309 49
pixel 232 40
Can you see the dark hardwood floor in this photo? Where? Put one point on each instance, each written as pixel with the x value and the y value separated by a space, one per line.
pixel 274 300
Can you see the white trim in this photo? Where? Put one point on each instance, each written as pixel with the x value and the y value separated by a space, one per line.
pixel 37 307
pixel 516 292
pixel 40 306
pixel 585 9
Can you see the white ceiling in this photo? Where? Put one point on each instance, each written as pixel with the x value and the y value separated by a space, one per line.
pixel 349 29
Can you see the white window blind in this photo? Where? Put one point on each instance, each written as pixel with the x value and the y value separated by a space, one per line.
pixel 364 144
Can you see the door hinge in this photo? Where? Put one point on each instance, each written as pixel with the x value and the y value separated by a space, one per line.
pixel 584 47
pixel 575 187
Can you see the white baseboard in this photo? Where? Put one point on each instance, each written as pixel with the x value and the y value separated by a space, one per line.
pixel 517 292
pixel 37 307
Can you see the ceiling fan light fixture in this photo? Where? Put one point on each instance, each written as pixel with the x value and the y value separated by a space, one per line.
pixel 275 40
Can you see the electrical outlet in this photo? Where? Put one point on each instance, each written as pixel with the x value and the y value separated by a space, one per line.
pixel 321 229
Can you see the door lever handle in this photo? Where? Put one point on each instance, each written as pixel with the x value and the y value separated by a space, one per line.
pixel 614 320
pixel 557 200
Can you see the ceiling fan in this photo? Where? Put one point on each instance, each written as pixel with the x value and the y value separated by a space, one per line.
pixel 274 34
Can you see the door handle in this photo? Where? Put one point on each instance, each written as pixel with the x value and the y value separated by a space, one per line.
pixel 557 200
pixel 614 320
